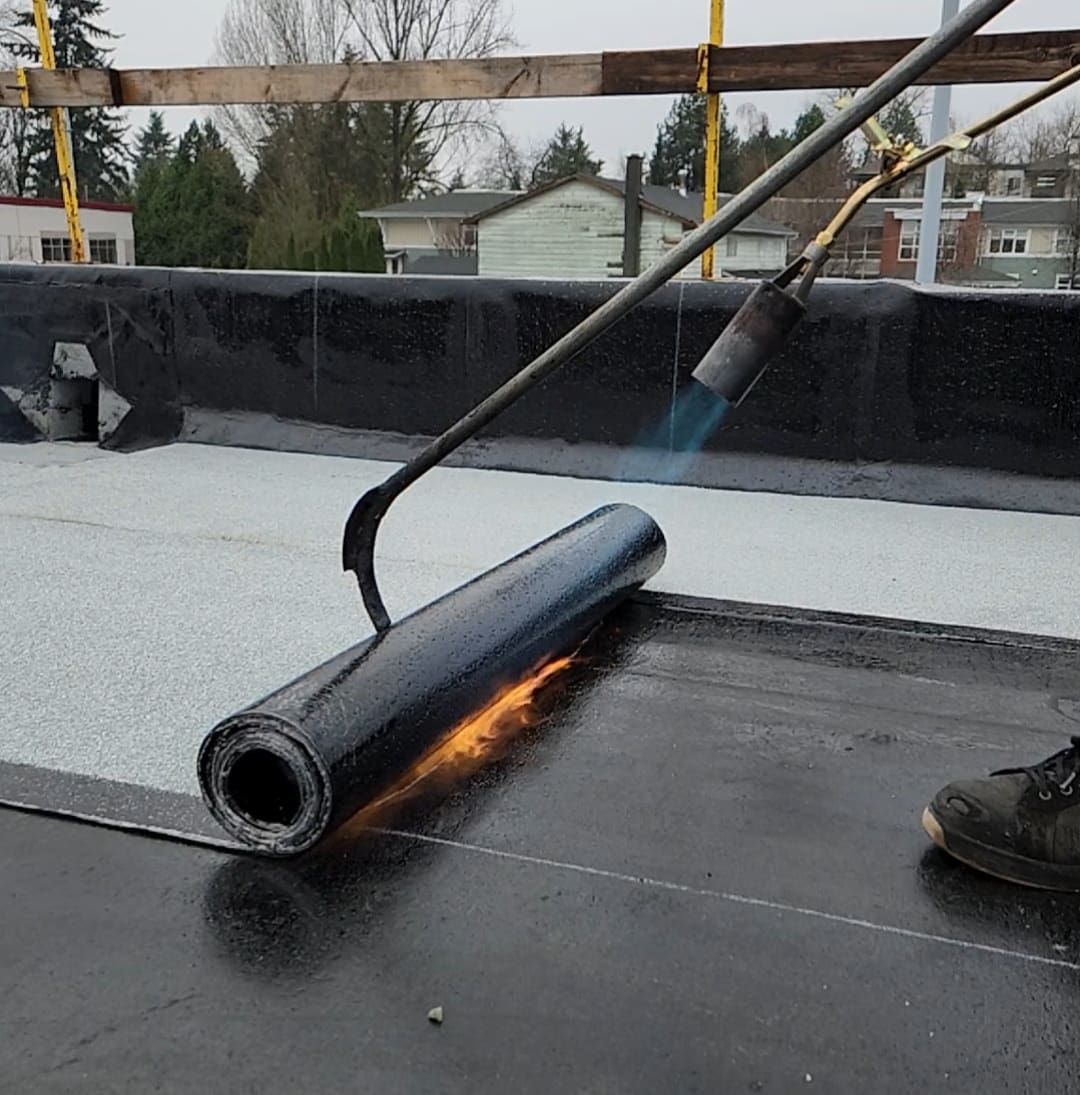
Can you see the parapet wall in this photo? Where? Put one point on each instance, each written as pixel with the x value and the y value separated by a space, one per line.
pixel 884 384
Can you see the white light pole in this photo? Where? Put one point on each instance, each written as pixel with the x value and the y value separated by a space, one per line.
pixel 930 230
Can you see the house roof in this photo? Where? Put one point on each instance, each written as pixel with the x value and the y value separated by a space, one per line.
pixel 872 214
pixel 691 208
pixel 1052 163
pixel 1037 211
pixel 979 275
pixel 1031 212
pixel 454 203
pixel 56 203
pixel 687 208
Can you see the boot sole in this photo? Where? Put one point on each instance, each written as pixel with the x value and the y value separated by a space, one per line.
pixel 1004 865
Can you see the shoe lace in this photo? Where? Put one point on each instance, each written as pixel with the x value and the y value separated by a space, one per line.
pixel 1060 770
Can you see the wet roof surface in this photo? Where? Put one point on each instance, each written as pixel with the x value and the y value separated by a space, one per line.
pixel 149 596
pixel 701 872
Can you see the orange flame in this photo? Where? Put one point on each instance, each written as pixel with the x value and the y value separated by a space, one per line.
pixel 472 744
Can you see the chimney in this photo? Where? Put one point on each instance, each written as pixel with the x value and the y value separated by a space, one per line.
pixel 684 177
pixel 631 256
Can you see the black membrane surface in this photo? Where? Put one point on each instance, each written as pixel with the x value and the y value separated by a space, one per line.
pixel 701 871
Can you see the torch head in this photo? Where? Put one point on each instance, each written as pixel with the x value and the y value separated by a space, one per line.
pixel 758 332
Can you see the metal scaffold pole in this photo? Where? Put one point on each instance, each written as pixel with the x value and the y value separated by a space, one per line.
pixel 930 229
pixel 712 130
pixel 61 126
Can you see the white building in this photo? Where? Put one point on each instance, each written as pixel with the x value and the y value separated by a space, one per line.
pixel 431 235
pixel 574 228
pixel 35 230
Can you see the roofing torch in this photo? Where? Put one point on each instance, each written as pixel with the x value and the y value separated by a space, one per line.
pixel 762 326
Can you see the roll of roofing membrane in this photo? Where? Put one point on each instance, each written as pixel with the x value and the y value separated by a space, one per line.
pixel 289 770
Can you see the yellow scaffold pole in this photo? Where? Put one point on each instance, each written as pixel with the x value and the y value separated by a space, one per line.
pixel 65 159
pixel 712 128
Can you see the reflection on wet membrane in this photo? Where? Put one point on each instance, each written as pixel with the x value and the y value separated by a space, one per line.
pixel 999 911
pixel 286 919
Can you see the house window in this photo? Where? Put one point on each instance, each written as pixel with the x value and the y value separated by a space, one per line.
pixel 947 242
pixel 1007 241
pixel 732 247
pixel 1044 182
pixel 103 251
pixel 1014 184
pixel 1063 241
pixel 858 255
pixel 1065 281
pixel 909 241
pixel 908 250
pixel 55 249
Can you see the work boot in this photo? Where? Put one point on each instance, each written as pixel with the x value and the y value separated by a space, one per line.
pixel 1020 824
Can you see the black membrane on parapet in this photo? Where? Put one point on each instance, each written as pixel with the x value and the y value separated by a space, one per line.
pixel 287 771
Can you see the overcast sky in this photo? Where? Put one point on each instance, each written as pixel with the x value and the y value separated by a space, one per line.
pixel 164 33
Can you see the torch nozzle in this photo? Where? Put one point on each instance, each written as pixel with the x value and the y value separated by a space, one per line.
pixel 761 328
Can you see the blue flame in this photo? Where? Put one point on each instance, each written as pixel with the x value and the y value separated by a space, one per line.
pixel 665 451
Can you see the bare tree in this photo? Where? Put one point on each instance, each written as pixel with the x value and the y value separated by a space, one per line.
pixel 424 134
pixel 973 169
pixel 456 238
pixel 1043 134
pixel 274 32
pixel 504 166
pixel 16 126
pixel 11 34
pixel 750 120
pixel 414 138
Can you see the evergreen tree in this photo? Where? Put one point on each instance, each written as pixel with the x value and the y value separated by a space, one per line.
pixel 760 150
pixel 97 136
pixel 316 166
pixel 811 119
pixel 350 246
pixel 830 175
pixel 194 209
pixel 154 143
pixel 900 121
pixel 567 153
pixel 680 146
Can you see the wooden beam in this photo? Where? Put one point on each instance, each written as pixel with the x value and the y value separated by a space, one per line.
pixel 657 72
pixel 990 58
pixel 573 75
pixel 984 59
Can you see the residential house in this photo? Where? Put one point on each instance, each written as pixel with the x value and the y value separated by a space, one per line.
pixel 1024 243
pixel 1030 243
pixel 959 242
pixel 1036 242
pixel 35 230
pixel 574 228
pixel 433 235
pixel 1055 177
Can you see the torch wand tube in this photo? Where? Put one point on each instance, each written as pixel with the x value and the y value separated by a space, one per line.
pixel 358 549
